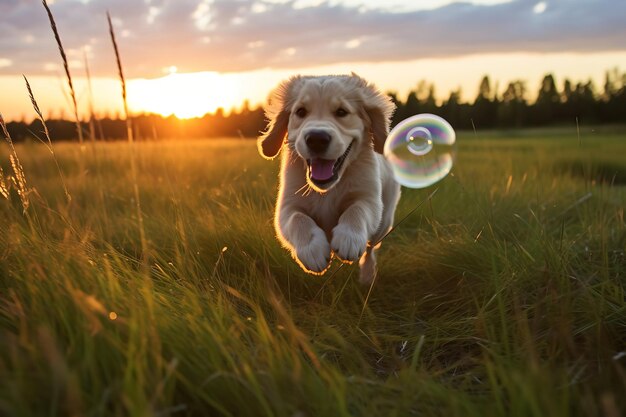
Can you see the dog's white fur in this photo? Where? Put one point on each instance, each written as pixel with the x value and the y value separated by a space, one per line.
pixel 349 216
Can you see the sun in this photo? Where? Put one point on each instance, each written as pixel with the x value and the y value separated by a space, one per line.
pixel 183 95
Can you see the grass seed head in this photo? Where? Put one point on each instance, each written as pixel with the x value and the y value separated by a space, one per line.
pixel 4 185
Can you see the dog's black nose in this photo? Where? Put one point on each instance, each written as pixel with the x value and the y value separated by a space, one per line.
pixel 317 141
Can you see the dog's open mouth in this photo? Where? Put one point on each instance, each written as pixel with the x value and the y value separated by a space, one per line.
pixel 323 172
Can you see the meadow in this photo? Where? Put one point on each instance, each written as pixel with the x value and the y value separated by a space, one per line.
pixel 502 295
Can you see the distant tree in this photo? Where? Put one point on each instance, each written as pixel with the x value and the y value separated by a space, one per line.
pixel 548 92
pixel 566 94
pixel 611 78
pixel 548 99
pixel 429 103
pixel 495 92
pixel 452 108
pixel 512 110
pixel 618 102
pixel 484 111
pixel 484 90
pixel 567 109
pixel 611 107
pixel 422 90
pixel 585 100
pixel 412 105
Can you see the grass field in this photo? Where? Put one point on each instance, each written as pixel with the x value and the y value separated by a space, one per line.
pixel 501 296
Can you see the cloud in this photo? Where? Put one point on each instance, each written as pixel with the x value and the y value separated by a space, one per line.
pixel 228 35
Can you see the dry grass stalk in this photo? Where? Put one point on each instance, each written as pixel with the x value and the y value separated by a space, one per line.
pixel 67 70
pixel 46 133
pixel 4 185
pixel 129 133
pixel 129 126
pixel 18 179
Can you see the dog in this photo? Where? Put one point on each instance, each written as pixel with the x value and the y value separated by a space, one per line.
pixel 337 194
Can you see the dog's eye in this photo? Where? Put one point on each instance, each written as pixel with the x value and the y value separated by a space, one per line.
pixel 301 112
pixel 341 112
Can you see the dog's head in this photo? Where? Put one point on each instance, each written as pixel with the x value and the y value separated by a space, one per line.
pixel 327 121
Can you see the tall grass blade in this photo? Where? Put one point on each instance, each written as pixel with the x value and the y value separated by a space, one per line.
pixel 129 133
pixel 4 185
pixel 120 71
pixel 18 178
pixel 46 133
pixel 53 25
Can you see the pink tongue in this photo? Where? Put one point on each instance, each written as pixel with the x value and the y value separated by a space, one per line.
pixel 321 169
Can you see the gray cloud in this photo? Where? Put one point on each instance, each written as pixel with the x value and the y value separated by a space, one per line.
pixel 227 35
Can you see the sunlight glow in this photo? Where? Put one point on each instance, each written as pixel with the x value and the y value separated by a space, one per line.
pixel 184 95
pixel 188 95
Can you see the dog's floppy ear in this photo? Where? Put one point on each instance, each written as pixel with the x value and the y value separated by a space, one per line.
pixel 272 139
pixel 277 112
pixel 379 108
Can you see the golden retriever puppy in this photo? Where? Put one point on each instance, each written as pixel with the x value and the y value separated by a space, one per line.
pixel 337 193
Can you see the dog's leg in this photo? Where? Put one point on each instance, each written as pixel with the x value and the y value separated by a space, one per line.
pixel 306 241
pixel 351 234
pixel 367 265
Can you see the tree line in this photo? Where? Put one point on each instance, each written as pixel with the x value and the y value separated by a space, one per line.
pixel 491 109
pixel 580 102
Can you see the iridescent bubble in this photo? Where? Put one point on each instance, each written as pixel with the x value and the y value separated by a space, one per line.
pixel 421 150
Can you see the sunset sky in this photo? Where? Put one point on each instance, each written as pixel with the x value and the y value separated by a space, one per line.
pixel 189 57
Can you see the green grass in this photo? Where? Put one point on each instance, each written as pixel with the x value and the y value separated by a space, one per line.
pixel 503 296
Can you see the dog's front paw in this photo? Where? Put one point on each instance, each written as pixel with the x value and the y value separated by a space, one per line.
pixel 314 256
pixel 347 243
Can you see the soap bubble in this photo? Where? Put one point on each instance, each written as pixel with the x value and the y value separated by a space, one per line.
pixel 421 150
